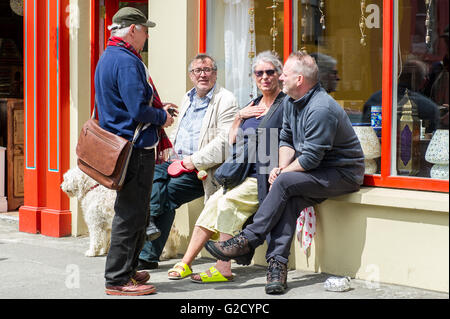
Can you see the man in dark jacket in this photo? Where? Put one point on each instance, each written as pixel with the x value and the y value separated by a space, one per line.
pixel 125 97
pixel 319 157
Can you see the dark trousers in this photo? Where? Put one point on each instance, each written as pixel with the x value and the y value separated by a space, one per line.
pixel 275 220
pixel 168 194
pixel 131 218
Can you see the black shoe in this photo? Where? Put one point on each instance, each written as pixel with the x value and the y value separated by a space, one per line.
pixel 152 231
pixel 276 277
pixel 237 248
pixel 146 265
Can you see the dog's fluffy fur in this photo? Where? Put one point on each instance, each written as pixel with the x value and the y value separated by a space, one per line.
pixel 170 250
pixel 97 205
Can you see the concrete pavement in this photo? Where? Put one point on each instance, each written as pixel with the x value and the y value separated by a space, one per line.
pixel 39 267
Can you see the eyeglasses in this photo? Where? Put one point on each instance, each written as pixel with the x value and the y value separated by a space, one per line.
pixel 261 73
pixel 199 71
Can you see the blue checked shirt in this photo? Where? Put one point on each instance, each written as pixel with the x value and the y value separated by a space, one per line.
pixel 186 141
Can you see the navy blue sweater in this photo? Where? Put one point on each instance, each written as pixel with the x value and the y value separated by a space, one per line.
pixel 321 133
pixel 123 94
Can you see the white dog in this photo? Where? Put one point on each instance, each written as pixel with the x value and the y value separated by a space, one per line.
pixel 97 204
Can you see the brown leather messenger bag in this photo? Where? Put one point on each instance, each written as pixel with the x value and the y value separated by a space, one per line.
pixel 102 155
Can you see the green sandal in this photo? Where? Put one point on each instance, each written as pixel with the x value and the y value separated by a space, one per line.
pixel 216 276
pixel 182 273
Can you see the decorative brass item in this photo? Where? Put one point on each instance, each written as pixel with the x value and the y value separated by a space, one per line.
pixel 428 22
pixel 362 24
pixel 408 137
pixel 274 29
pixel 304 21
pixel 252 49
pixel 322 14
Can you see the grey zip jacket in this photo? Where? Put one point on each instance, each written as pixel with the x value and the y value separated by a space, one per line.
pixel 320 132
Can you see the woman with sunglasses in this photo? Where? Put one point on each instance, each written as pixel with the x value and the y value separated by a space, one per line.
pixel 224 214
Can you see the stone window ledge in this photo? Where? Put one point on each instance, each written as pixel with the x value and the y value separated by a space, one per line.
pixel 401 198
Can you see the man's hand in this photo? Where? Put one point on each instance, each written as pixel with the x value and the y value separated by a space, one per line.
pixel 169 120
pixel 171 108
pixel 274 174
pixel 187 163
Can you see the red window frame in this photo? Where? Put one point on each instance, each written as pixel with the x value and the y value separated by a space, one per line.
pixel 384 179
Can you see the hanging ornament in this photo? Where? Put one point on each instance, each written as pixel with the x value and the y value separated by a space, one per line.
pixel 428 23
pixel 252 49
pixel 16 6
pixel 304 21
pixel 362 24
pixel 322 14
pixel 274 29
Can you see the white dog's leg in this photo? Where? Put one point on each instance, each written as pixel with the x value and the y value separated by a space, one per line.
pixel 104 241
pixel 93 241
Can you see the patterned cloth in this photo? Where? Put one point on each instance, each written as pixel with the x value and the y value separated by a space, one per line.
pixel 306 222
pixel 164 142
pixel 187 139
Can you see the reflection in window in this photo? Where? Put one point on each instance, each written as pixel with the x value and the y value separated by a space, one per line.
pixel 421 111
pixel 349 56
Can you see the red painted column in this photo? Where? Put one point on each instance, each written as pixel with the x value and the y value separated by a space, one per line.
pixel 34 180
pixel 95 25
pixel 202 26
pixel 46 207
pixel 287 34
pixel 56 220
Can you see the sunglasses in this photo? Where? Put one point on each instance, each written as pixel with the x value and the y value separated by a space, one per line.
pixel 261 73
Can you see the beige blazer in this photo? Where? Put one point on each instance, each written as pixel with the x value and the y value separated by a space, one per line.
pixel 213 140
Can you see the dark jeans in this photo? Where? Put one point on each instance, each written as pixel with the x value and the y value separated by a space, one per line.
pixel 168 194
pixel 130 219
pixel 275 220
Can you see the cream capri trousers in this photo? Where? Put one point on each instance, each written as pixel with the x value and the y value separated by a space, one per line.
pixel 227 213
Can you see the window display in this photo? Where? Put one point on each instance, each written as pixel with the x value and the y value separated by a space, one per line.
pixel 421 88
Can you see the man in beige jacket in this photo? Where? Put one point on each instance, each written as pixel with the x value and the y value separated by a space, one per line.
pixel 201 141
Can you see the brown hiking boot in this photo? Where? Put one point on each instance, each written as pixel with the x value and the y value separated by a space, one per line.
pixel 276 277
pixel 141 277
pixel 237 248
pixel 132 288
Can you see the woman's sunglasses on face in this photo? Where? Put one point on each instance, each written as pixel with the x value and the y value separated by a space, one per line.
pixel 259 74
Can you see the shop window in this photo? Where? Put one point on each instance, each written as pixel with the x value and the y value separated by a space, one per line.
pixel 347 44
pixel 237 31
pixel 369 53
pixel 420 90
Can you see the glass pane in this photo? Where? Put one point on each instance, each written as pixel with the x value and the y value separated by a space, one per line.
pixel 347 43
pixel 269 25
pixel 236 32
pixel 421 111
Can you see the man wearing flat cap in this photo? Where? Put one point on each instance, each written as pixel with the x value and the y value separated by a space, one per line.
pixel 126 97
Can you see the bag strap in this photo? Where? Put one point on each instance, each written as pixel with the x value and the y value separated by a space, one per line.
pixel 137 131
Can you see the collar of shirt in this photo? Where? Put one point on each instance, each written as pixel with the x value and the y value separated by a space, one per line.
pixel 193 92
pixel 303 101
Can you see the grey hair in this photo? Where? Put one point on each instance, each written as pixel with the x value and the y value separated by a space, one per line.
pixel 117 31
pixel 306 66
pixel 324 62
pixel 268 57
pixel 203 56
